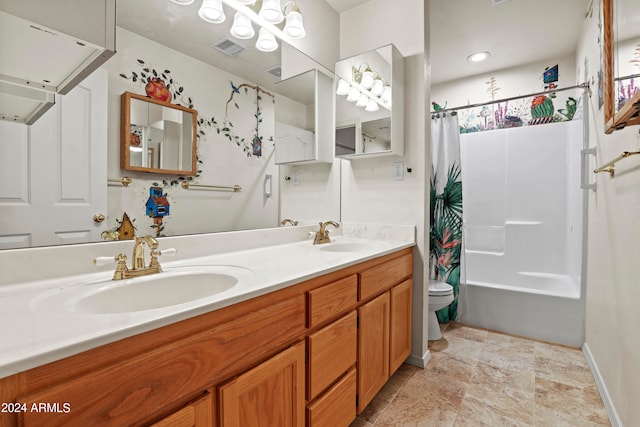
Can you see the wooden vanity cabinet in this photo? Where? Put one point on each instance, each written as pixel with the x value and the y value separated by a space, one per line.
pixel 195 414
pixel 271 394
pixel 384 332
pixel 302 355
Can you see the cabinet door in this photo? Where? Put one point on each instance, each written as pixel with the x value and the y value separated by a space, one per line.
pixel 196 414
pixel 336 407
pixel 271 394
pixel 400 325
pixel 332 351
pixel 373 348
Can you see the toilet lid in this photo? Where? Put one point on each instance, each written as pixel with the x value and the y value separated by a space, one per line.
pixel 439 288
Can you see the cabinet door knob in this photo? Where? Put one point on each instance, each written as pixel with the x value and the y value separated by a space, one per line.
pixel 98 217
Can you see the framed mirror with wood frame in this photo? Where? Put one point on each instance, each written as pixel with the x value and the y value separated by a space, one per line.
pixel 157 136
pixel 629 113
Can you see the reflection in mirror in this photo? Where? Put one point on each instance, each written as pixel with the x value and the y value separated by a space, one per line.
pixel 621 44
pixel 304 119
pixel 369 104
pixel 157 136
pixel 162 36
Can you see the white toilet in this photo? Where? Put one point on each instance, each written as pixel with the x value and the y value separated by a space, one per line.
pixel 440 296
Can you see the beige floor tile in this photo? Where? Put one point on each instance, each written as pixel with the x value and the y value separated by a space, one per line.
pixel 457 346
pixel 559 353
pixel 359 422
pixel 511 404
pixel 497 379
pixel 413 408
pixel 467 332
pixel 380 402
pixel 545 417
pixel 513 356
pixel 445 366
pixel 584 405
pixel 476 412
pixel 568 372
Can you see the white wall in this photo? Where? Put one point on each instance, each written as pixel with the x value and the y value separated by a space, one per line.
pixel 223 162
pixel 369 193
pixel 515 81
pixel 613 294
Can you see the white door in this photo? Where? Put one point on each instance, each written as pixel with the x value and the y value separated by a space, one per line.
pixel 53 173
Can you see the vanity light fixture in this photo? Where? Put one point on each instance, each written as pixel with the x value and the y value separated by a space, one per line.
pixel 242 28
pixel 372 105
pixel 271 13
pixel 266 41
pixel 343 87
pixel 211 11
pixel 367 89
pixel 478 56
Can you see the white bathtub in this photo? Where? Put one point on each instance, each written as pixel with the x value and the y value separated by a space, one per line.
pixel 523 216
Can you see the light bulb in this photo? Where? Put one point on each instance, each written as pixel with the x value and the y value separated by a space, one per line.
pixel 367 79
pixel 266 41
pixel 294 27
pixel 242 28
pixel 377 87
pixel 343 87
pixel 362 100
pixel 386 94
pixel 271 11
pixel 371 106
pixel 211 11
pixel 353 95
pixel 182 2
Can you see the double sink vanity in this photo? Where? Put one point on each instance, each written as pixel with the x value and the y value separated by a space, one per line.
pixel 259 327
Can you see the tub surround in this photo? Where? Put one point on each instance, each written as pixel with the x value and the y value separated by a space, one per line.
pixel 272 259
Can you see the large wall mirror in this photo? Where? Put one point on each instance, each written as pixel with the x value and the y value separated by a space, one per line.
pixel 370 104
pixel 621 50
pixel 157 136
pixel 225 79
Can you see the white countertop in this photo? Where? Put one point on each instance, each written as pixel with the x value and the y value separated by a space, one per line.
pixel 33 332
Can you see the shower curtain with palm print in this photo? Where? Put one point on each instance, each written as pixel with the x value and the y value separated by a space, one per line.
pixel 445 240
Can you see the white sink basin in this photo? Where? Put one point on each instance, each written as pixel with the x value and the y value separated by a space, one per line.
pixel 175 286
pixel 349 246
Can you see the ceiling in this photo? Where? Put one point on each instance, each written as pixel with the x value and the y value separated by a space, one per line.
pixel 516 32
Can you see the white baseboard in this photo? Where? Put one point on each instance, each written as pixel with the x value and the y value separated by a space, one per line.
pixel 420 362
pixel 602 388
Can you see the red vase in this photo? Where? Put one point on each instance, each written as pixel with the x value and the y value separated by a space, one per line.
pixel 157 90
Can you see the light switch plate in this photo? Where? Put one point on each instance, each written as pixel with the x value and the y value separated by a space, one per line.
pixel 397 170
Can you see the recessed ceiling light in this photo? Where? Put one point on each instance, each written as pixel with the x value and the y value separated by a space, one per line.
pixel 478 56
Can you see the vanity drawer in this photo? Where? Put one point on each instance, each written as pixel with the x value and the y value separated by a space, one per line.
pixel 337 407
pixel 331 300
pixel 378 279
pixel 332 351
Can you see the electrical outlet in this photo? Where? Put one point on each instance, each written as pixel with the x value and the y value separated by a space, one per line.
pixel 397 170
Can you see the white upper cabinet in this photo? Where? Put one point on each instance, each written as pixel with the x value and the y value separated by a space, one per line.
pixel 47 48
pixel 305 119
pixel 370 104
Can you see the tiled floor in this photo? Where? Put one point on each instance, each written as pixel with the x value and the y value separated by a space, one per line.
pixel 481 378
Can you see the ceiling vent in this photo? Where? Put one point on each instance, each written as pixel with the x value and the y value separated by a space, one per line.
pixel 497 2
pixel 228 47
pixel 275 71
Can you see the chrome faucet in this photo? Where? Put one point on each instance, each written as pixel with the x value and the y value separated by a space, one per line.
pixel 138 267
pixel 290 221
pixel 322 235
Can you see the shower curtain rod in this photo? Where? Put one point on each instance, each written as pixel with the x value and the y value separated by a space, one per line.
pixel 482 104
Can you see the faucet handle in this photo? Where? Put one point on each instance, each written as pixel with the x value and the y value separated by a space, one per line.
pixel 104 260
pixel 168 252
